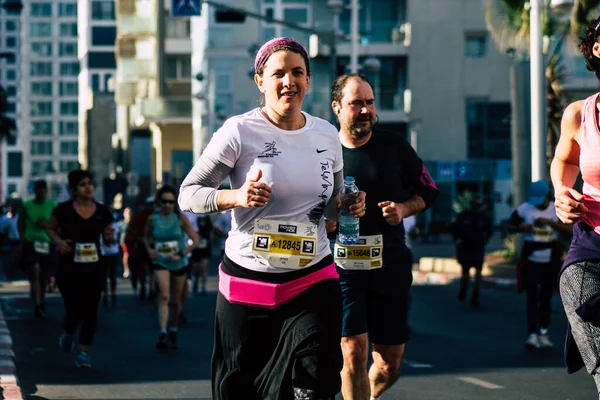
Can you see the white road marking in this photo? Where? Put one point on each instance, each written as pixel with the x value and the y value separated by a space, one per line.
pixel 479 382
pixel 416 364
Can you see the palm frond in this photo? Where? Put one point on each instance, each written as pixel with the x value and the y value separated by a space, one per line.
pixel 508 22
pixel 583 11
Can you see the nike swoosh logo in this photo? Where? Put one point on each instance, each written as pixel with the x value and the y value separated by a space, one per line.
pixel 320 151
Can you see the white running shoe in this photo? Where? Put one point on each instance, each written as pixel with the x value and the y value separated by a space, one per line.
pixel 544 339
pixel 126 274
pixel 533 341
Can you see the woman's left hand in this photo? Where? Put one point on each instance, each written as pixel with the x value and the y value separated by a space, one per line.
pixel 359 208
pixel 109 233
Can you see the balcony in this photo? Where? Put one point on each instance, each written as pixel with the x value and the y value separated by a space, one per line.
pixel 136 26
pixel 163 111
pixel 131 69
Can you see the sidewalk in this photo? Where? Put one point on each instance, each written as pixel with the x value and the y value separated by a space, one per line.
pixel 9 385
pixel 435 263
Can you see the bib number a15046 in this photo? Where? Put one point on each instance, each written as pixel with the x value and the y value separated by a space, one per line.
pixel 167 248
pixel 283 244
pixel 366 254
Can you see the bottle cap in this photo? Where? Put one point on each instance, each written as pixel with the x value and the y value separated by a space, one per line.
pixel 349 179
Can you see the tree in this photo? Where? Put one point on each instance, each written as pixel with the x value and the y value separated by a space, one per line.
pixel 508 22
pixel 7 125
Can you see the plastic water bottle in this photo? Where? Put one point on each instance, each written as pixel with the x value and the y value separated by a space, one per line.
pixel 347 223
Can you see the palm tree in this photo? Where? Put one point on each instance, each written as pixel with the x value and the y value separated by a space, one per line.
pixel 508 22
pixel 7 125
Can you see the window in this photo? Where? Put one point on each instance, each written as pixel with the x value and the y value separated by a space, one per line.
pixel 68 88
pixel 11 60
pixel 103 10
pixel 67 49
pixel 11 42
pixel 69 69
pixel 488 129
pixel 41 128
pixel 40 69
pixel 475 46
pixel 95 83
pixel 66 166
pixel 107 86
pixel 11 107
pixel 41 148
pixel 178 27
pixel 67 10
pixel 41 88
pixel 296 12
pixel 40 29
pixel 178 67
pixel 68 108
pixel 15 164
pixel 11 75
pixel 12 187
pixel 295 15
pixel 11 91
pixel 40 49
pixel 41 9
pixel 41 167
pixel 68 148
pixel 68 128
pixel 10 26
pixel 104 36
pixel 40 108
pixel 223 82
pixel 68 30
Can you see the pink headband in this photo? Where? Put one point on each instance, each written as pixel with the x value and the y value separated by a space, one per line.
pixel 273 45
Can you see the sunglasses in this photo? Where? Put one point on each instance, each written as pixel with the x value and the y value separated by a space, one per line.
pixel 165 201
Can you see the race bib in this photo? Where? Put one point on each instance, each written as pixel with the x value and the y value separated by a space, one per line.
pixel 167 248
pixel 86 253
pixel 364 255
pixel 290 245
pixel 543 234
pixel 41 247
pixel 203 244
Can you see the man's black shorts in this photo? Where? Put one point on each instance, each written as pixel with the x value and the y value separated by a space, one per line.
pixel 30 257
pixel 377 301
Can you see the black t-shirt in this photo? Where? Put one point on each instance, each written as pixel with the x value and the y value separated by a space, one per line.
pixel 474 228
pixel 79 230
pixel 387 169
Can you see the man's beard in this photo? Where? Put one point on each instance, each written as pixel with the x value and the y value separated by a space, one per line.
pixel 360 132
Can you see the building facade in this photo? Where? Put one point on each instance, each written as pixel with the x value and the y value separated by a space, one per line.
pixel 49 108
pixel 11 151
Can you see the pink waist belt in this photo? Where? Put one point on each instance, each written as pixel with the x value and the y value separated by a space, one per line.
pixel 269 295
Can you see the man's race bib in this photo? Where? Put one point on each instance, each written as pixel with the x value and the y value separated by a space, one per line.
pixel 364 255
pixel 290 245
pixel 41 247
pixel 85 253
pixel 203 244
pixel 543 234
pixel 167 248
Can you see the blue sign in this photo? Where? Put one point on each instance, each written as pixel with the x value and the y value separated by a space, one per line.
pixel 445 171
pixel 186 8
pixel 462 170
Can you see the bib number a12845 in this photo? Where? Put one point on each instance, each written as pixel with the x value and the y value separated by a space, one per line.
pixel 283 244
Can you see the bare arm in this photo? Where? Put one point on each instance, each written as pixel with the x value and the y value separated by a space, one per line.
pixel 52 230
pixel 189 230
pixel 565 166
pixel 148 239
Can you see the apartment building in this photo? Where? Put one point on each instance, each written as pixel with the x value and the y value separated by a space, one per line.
pixel 11 152
pixel 48 91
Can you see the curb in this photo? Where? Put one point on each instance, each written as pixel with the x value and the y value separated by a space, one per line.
pixel 9 384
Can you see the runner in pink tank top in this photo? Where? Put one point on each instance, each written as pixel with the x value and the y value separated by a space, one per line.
pixel 578 150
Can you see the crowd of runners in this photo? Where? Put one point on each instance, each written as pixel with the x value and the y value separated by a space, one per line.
pixel 298 314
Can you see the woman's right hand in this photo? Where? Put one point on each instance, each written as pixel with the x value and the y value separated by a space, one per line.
pixel 64 247
pixel 253 193
pixel 569 206
pixel 153 254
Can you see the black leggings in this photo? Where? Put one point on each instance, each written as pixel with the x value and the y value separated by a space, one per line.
pixel 81 287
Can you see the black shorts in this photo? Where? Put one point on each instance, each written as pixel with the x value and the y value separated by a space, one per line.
pixel 377 301
pixel 30 257
pixel 177 272
pixel 470 258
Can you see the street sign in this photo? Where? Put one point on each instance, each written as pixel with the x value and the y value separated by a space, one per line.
pixel 186 8
pixel 462 170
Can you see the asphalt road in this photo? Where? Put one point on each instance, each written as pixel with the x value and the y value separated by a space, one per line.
pixel 456 352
